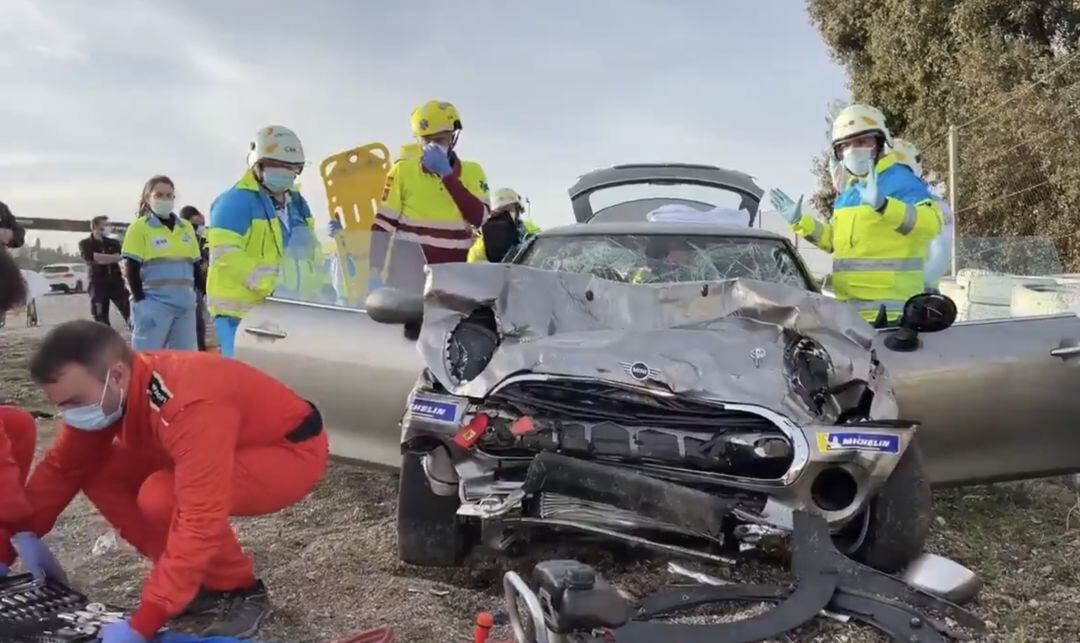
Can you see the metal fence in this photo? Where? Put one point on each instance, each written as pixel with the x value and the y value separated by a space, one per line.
pixel 1009 176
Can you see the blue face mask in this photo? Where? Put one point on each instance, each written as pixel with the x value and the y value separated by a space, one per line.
pixel 92 417
pixel 278 179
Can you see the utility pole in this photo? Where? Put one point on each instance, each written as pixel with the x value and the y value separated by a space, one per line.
pixel 953 155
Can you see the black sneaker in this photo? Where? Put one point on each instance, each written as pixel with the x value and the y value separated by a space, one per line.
pixel 242 612
pixel 207 601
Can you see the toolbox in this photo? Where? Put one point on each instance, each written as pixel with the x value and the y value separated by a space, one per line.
pixel 41 611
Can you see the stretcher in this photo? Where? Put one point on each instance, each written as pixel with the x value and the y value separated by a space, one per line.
pixel 354 181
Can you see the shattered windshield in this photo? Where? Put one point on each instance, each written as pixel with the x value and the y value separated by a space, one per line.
pixel 667 258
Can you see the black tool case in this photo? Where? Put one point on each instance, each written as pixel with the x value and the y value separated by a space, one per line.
pixel 37 611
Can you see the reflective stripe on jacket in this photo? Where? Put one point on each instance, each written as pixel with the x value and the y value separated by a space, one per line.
pixel 167 258
pixel 247 241
pixel 878 257
pixel 417 207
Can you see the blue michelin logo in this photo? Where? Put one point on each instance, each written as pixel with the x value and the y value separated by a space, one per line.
pixel 850 441
pixel 434 409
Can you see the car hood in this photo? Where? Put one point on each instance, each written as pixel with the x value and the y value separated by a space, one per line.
pixel 722 341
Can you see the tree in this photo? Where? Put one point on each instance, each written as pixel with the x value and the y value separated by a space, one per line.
pixel 1007 72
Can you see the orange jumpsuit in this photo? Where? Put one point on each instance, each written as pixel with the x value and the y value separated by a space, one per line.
pixel 202 437
pixel 17 437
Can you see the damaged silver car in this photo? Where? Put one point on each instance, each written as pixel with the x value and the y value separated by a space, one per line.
pixel 677 386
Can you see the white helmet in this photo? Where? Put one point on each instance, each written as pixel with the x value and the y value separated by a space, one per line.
pixel 277 143
pixel 907 154
pixel 505 197
pixel 857 120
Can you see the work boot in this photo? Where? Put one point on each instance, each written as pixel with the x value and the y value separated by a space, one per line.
pixel 207 601
pixel 242 612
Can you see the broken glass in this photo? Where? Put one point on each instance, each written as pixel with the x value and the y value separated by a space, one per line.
pixel 659 259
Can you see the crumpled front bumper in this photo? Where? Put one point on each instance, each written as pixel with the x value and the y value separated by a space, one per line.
pixel 834 472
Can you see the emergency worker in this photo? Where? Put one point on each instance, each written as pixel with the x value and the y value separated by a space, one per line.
pixel 251 224
pixel 940 250
pixel 161 255
pixel 192 215
pixel 505 229
pixel 432 201
pixel 167 445
pixel 881 224
pixel 17 437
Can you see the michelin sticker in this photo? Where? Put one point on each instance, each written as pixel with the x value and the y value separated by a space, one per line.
pixel 435 409
pixel 851 441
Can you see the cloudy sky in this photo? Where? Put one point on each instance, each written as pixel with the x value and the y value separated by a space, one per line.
pixel 100 95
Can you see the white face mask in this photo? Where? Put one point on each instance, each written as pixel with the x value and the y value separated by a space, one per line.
pixel 161 207
pixel 858 160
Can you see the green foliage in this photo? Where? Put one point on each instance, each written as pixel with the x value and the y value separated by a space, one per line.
pixel 974 63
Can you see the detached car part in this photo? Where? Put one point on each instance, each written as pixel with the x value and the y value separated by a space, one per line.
pixel 823 578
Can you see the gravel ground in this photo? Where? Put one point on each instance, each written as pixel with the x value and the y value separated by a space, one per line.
pixel 331 564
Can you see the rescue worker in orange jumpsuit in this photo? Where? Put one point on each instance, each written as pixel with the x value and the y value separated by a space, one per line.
pixel 17 437
pixel 167 445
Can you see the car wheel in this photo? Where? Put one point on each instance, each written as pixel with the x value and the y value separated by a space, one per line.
pixel 429 530
pixel 899 517
pixel 78 286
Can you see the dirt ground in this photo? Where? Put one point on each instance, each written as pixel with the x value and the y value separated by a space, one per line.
pixel 330 562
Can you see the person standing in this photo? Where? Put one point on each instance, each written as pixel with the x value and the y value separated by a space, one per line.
pixel 160 258
pixel 433 201
pixel 939 253
pixel 192 215
pixel 12 235
pixel 882 220
pixel 251 224
pixel 102 257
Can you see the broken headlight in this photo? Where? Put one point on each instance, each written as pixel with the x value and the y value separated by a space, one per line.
pixel 809 372
pixel 471 345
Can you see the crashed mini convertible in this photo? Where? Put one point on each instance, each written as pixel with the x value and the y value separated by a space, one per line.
pixel 686 416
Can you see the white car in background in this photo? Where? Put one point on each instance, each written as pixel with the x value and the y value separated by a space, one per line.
pixel 66 277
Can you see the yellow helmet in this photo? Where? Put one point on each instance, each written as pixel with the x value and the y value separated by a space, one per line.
pixel 435 117
pixel 857 120
pixel 907 154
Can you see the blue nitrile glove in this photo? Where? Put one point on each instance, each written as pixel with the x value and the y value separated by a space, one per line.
pixel 334 227
pixel 868 190
pixel 435 159
pixel 120 633
pixel 36 557
pixel 790 210
pixel 374 283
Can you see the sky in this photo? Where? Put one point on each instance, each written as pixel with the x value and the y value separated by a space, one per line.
pixel 101 95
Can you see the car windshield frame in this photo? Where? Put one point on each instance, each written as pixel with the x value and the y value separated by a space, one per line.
pixel 808 282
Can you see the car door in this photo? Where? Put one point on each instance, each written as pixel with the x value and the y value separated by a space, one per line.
pixel 997 399
pixel 358 372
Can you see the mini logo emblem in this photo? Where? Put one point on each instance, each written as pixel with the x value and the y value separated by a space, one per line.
pixel 640 371
pixel 757 355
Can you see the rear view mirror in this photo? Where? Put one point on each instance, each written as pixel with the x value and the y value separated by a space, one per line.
pixel 928 313
pixel 394 306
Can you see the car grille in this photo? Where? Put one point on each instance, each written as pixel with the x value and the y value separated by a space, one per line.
pixel 597 402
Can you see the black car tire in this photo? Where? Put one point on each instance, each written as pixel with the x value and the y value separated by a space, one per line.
pixel 429 531
pixel 78 286
pixel 900 517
